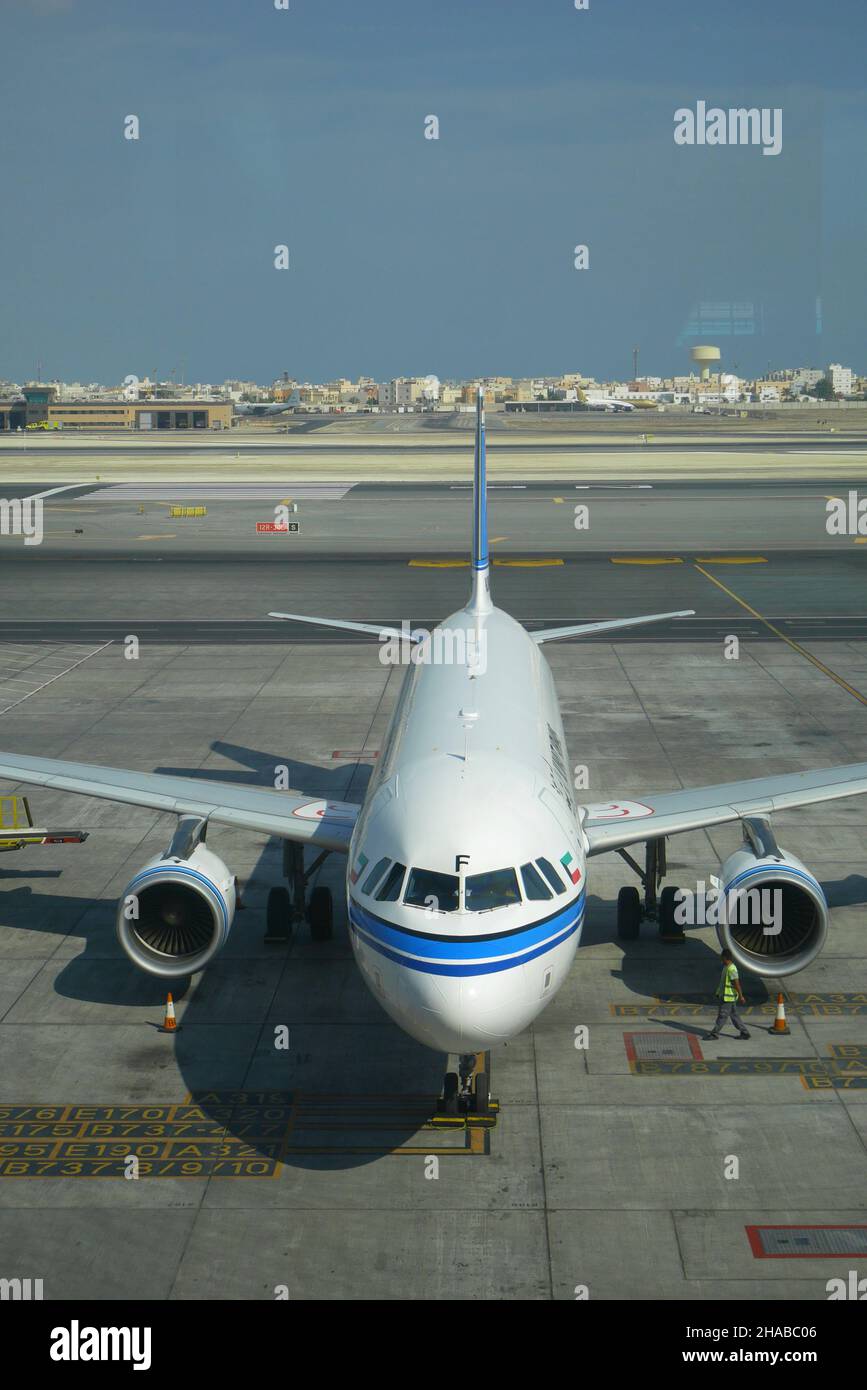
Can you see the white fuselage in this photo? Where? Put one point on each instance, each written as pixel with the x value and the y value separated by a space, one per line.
pixel 473 781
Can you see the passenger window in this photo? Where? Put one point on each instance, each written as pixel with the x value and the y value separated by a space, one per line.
pixel 535 887
pixel 552 876
pixel 424 884
pixel 498 888
pixel 390 890
pixel 375 875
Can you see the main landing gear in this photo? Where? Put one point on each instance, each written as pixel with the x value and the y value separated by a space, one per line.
pixel 659 907
pixel 290 906
pixel 466 1091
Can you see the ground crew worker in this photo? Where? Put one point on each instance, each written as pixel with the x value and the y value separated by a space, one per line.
pixel 729 992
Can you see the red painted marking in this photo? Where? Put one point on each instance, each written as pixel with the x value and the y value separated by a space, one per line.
pixel 316 810
pixel 761 1254
pixel 619 810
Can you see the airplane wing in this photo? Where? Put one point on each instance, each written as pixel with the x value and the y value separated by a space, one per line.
pixel 614 825
pixel 310 820
pixel 376 628
pixel 553 634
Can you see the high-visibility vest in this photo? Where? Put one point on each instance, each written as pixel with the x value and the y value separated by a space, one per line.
pixel 726 987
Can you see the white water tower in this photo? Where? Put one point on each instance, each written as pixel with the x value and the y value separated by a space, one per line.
pixel 703 356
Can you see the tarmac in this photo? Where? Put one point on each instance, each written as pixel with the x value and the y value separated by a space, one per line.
pixel 633 1160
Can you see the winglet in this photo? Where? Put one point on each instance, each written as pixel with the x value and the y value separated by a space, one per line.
pixel 480 598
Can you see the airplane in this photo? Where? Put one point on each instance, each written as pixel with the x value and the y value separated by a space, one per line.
pixel 609 403
pixel 261 407
pixel 467 862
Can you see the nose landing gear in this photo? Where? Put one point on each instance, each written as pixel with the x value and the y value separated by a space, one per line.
pixel 659 907
pixel 466 1091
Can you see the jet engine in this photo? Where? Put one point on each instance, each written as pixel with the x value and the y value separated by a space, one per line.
pixel 177 912
pixel 773 915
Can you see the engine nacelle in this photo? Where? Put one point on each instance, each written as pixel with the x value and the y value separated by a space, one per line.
pixel 177 912
pixel 783 926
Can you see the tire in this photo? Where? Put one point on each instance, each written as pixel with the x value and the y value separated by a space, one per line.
pixel 482 1094
pixel 628 914
pixel 451 1086
pixel 668 902
pixel 320 914
pixel 278 914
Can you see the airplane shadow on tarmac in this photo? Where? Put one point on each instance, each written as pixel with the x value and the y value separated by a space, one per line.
pixel 654 969
pixel 353 1085
pixel 690 970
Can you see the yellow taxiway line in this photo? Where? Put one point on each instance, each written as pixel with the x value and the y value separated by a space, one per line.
pixel 795 646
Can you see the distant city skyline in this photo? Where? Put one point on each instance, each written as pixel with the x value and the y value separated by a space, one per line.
pixel 256 129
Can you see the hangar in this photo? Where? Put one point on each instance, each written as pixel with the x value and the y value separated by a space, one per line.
pixel 38 408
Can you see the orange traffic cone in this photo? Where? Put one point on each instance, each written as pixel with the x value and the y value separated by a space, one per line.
pixel 170 1025
pixel 780 1024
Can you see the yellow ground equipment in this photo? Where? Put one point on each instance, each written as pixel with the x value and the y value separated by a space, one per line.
pixel 15 817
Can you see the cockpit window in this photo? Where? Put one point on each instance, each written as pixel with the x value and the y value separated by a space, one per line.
pixel 552 876
pixel 498 888
pixel 375 874
pixel 439 892
pixel 390 890
pixel 535 887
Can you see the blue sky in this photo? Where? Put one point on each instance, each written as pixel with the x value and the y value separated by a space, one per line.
pixel 306 127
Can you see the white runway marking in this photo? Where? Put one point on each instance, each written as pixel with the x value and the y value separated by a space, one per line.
pixel 49 492
pixel 219 492
pixel 13 667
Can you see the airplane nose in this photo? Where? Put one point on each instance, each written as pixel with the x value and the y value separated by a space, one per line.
pixel 466 1013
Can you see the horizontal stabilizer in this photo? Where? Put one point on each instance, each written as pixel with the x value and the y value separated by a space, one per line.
pixel 553 634
pixel 375 628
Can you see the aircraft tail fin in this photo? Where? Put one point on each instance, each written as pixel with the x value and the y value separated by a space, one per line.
pixel 480 598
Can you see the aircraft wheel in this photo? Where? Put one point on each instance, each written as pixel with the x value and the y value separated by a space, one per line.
pixel 482 1094
pixel 278 915
pixel 320 914
pixel 451 1086
pixel 628 914
pixel 668 903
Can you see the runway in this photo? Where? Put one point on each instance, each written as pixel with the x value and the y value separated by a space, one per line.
pixel 379 451
pixel 561 519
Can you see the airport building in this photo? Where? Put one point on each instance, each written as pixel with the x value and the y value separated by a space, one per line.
pixel 37 407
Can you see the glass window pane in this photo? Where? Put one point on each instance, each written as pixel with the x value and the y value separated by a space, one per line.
pixel 390 890
pixel 424 884
pixel 375 875
pixel 535 887
pixel 552 876
pixel 497 888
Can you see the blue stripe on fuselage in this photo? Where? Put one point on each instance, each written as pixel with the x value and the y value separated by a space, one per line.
pixel 451 955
